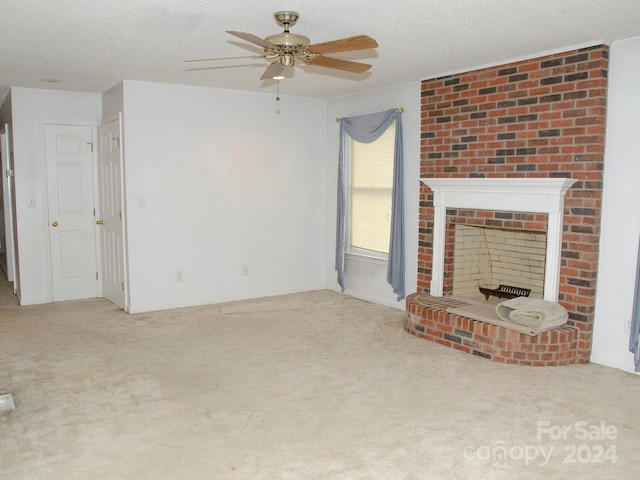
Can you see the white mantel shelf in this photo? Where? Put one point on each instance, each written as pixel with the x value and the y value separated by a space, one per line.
pixel 536 195
pixel 542 195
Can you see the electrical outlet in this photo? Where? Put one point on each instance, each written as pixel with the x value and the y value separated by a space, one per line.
pixel 179 276
pixel 245 270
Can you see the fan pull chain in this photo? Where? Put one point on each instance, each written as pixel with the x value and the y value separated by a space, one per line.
pixel 277 90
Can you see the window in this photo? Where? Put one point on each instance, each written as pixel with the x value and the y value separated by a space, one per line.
pixel 371 187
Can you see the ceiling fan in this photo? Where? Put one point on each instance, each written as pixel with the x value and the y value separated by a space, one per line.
pixel 286 47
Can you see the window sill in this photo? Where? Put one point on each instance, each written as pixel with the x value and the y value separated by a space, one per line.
pixel 360 257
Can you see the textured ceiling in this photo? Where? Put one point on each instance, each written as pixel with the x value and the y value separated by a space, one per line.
pixel 91 45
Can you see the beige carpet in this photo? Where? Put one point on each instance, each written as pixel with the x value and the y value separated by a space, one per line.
pixel 308 386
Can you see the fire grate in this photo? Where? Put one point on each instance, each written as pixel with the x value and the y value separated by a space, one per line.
pixel 505 291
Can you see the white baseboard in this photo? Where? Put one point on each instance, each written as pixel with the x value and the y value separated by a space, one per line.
pixel 613 363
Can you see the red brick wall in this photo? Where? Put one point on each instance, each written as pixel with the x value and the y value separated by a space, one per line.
pixel 543 117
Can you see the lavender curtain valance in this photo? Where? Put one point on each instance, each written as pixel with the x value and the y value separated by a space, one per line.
pixel 367 129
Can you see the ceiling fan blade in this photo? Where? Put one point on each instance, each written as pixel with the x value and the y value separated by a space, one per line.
pixel 223 58
pixel 338 64
pixel 360 42
pixel 253 39
pixel 273 70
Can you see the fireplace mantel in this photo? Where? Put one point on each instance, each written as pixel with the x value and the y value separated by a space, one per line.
pixel 536 195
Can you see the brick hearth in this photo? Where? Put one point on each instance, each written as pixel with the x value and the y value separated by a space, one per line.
pixel 427 317
pixel 542 117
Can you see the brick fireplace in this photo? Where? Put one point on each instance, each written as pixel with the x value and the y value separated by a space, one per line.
pixel 540 118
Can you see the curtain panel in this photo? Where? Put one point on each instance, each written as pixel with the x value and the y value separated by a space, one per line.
pixel 634 338
pixel 367 129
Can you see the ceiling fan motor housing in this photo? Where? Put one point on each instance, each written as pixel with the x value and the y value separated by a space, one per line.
pixel 288 40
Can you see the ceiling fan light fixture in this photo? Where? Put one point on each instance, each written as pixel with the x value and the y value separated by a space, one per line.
pixel 279 77
pixel 287 60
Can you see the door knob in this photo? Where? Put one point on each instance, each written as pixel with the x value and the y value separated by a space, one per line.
pixel 54 224
pixel 99 222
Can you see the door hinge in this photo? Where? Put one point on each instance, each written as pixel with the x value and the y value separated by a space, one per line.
pixel 90 143
pixel 10 172
pixel 96 275
pixel 117 141
pixel 123 286
pixel 120 214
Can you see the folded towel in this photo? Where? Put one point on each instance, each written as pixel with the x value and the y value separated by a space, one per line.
pixel 533 313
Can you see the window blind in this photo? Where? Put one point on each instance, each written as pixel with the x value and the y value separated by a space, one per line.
pixel 371 192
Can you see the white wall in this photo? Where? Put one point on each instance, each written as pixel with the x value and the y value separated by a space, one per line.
pixel 228 179
pixel 30 107
pixel 113 102
pixel 620 228
pixel 364 279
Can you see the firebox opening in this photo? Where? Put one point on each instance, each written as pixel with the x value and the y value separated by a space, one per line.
pixel 489 257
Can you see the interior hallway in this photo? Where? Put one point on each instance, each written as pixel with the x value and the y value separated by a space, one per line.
pixel 315 385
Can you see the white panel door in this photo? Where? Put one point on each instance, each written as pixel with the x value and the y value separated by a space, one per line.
pixel 111 218
pixel 9 205
pixel 72 240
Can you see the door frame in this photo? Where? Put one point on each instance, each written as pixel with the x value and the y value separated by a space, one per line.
pixel 90 122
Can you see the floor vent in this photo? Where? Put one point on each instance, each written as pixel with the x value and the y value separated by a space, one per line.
pixel 6 402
